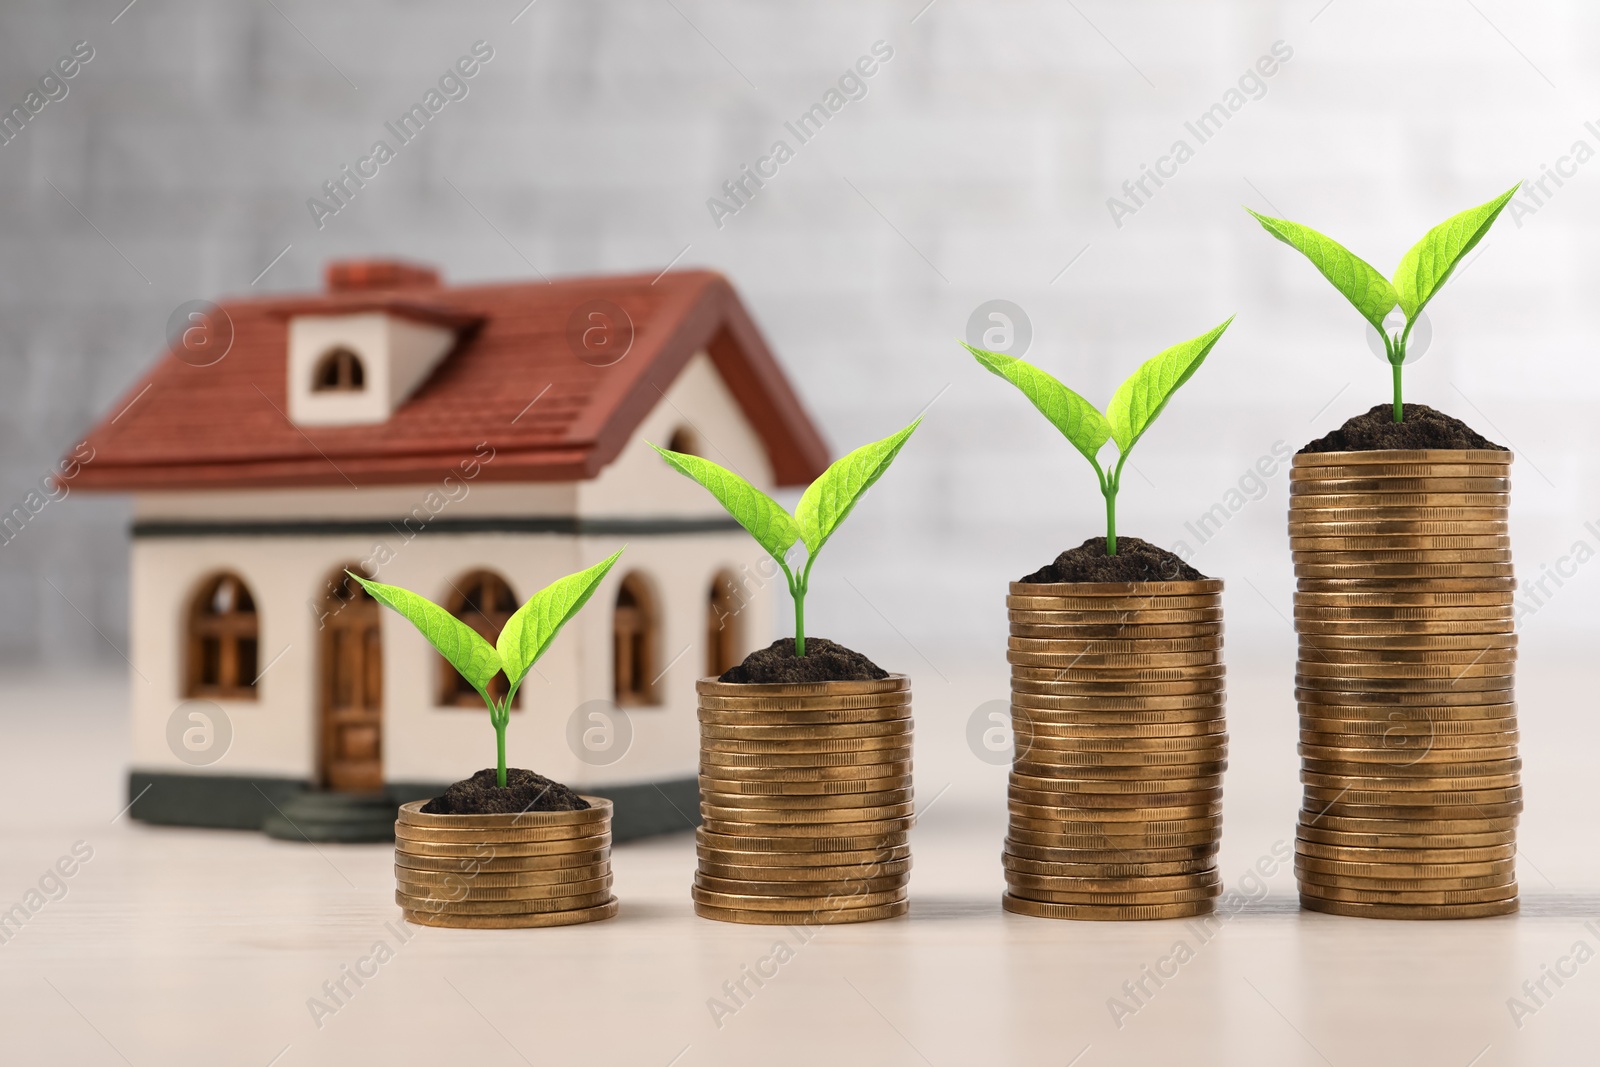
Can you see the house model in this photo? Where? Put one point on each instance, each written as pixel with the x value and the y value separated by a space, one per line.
pixel 471 444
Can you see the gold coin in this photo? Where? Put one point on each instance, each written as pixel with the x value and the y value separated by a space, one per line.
pixel 1357 886
pixel 885 703
pixel 1322 644
pixel 1197 866
pixel 1049 639
pixel 493 836
pixel 1394 854
pixel 829 873
pixel 1176 798
pixel 894 683
pixel 1064 821
pixel 713 717
pixel 1072 752
pixel 1402 613
pixel 800 864
pixel 711 760
pixel 483 851
pixel 1121 913
pixel 1129 844
pixel 1132 633
pixel 1050 784
pixel 1111 689
pixel 1369 486
pixel 827 745
pixel 1028 602
pixel 1462 705
pixel 424 905
pixel 1391 672
pixel 1310 538
pixel 1386 827
pixel 825 732
pixel 802 918
pixel 1117 779
pixel 1381 505
pixel 1399 455
pixel 1067 671
pixel 1198 587
pixel 1204 853
pixel 1122 737
pixel 807 801
pixel 450 895
pixel 1086 665
pixel 1503 892
pixel 817 832
pixel 1495 683
pixel 1159 883
pixel 512 879
pixel 1410 911
pixel 1402 533
pixel 839 787
pixel 1489 815
pixel 1153 617
pixel 1391 519
pixel 889 844
pixel 723 772
pixel 1314 866
pixel 1420 770
pixel 1314 835
pixel 1434 656
pixel 491 863
pixel 800 894
pixel 1420 754
pixel 752 902
pixel 1180 707
pixel 1421 778
pixel 1397 557
pixel 1065 808
pixel 505 922
pixel 1402 570
pixel 1386 728
pixel 1391 796
pixel 599 810
pixel 835 818
pixel 1399 598
pixel 1153 897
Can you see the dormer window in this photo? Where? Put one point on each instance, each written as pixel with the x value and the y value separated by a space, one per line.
pixel 340 371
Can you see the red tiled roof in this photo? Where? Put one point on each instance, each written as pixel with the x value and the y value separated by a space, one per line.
pixel 226 425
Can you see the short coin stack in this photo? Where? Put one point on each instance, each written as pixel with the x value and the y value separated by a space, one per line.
pixel 805 800
pixel 535 868
pixel 1408 730
pixel 1117 705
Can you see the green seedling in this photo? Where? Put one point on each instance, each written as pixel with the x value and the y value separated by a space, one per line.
pixel 522 640
pixel 822 509
pixel 1418 278
pixel 1134 406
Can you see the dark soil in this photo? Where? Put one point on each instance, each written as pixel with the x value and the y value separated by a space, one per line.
pixel 824 661
pixel 1423 428
pixel 524 791
pixel 1136 560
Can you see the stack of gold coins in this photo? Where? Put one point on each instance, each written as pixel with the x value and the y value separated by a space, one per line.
pixel 1117 705
pixel 1408 730
pixel 535 868
pixel 805 801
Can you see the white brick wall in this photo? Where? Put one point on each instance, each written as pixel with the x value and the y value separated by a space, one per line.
pixel 990 142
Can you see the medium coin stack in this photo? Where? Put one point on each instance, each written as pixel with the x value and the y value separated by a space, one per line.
pixel 535 868
pixel 1117 705
pixel 1408 730
pixel 805 801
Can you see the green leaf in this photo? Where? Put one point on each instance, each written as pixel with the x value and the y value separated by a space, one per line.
pixel 1142 397
pixel 1433 259
pixel 1078 420
pixel 826 501
pixel 765 518
pixel 1353 276
pixel 457 642
pixel 530 630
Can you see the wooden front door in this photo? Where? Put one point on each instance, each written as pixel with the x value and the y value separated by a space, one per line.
pixel 352 692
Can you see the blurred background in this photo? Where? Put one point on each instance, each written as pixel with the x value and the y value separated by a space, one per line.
pixel 979 162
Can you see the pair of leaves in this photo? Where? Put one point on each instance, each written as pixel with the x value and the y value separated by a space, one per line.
pixel 1135 405
pixel 823 506
pixel 1422 271
pixel 522 640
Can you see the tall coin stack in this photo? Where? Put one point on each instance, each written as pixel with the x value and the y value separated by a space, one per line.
pixel 805 801
pixel 1408 730
pixel 535 868
pixel 1118 712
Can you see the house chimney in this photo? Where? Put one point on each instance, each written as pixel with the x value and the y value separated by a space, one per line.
pixel 357 275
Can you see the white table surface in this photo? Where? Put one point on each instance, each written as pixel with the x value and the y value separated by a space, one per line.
pixel 177 946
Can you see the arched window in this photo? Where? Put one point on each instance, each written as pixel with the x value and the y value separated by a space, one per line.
pixel 636 635
pixel 724 643
pixel 684 440
pixel 223 640
pixel 340 371
pixel 483 601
